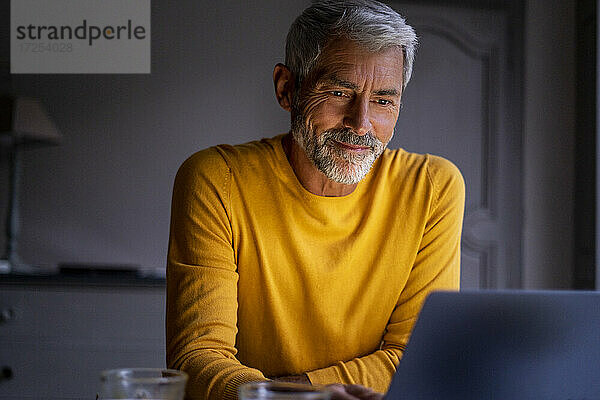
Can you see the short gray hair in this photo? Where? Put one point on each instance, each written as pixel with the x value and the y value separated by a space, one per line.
pixel 371 24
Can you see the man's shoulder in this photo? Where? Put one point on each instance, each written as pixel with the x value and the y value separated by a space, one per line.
pixel 438 170
pixel 225 157
pixel 443 170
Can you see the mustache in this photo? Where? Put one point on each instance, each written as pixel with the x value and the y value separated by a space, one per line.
pixel 347 135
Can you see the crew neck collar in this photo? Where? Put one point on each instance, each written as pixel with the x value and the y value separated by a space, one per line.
pixel 293 179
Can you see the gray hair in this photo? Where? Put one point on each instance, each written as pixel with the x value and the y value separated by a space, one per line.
pixel 371 24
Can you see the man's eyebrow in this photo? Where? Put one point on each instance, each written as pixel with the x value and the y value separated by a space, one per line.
pixel 335 81
pixel 387 92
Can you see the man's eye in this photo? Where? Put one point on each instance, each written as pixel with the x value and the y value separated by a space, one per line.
pixel 337 93
pixel 383 102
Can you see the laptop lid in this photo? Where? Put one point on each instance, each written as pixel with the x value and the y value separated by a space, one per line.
pixel 503 345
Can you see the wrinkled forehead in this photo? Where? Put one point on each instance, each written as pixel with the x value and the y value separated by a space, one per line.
pixel 344 59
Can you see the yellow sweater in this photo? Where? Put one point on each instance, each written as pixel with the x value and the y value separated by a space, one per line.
pixel 266 279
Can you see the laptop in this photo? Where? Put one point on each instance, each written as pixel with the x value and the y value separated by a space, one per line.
pixel 521 345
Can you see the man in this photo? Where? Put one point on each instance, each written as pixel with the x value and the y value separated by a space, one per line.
pixel 306 257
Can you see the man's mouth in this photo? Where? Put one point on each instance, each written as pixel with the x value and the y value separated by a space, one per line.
pixel 352 147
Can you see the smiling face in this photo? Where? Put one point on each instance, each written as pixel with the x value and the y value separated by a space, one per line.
pixel 345 113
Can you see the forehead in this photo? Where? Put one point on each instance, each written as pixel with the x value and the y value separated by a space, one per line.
pixel 345 59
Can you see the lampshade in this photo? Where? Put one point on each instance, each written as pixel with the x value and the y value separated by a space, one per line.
pixel 24 122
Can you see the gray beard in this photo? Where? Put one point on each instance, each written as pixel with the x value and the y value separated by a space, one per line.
pixel 336 163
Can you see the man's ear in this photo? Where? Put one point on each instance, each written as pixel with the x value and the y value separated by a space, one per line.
pixel 285 83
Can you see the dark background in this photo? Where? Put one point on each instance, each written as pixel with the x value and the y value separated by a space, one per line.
pixel 103 195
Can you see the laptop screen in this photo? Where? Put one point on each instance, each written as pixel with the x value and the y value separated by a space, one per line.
pixel 503 345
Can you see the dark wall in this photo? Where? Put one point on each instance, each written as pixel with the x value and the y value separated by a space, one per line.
pixel 585 147
pixel 103 196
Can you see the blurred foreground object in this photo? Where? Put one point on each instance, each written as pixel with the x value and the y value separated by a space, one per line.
pixel 270 390
pixel 143 383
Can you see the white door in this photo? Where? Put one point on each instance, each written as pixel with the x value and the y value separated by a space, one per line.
pixel 457 105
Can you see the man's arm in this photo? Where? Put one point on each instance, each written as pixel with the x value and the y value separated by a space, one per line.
pixel 201 315
pixel 436 266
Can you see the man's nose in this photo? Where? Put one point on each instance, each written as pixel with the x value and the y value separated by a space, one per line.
pixel 357 116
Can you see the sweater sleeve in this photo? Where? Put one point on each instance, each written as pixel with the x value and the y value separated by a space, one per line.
pixel 436 267
pixel 201 311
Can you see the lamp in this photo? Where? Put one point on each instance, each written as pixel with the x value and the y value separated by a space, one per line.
pixel 24 124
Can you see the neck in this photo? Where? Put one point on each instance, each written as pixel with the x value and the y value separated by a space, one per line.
pixel 308 174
